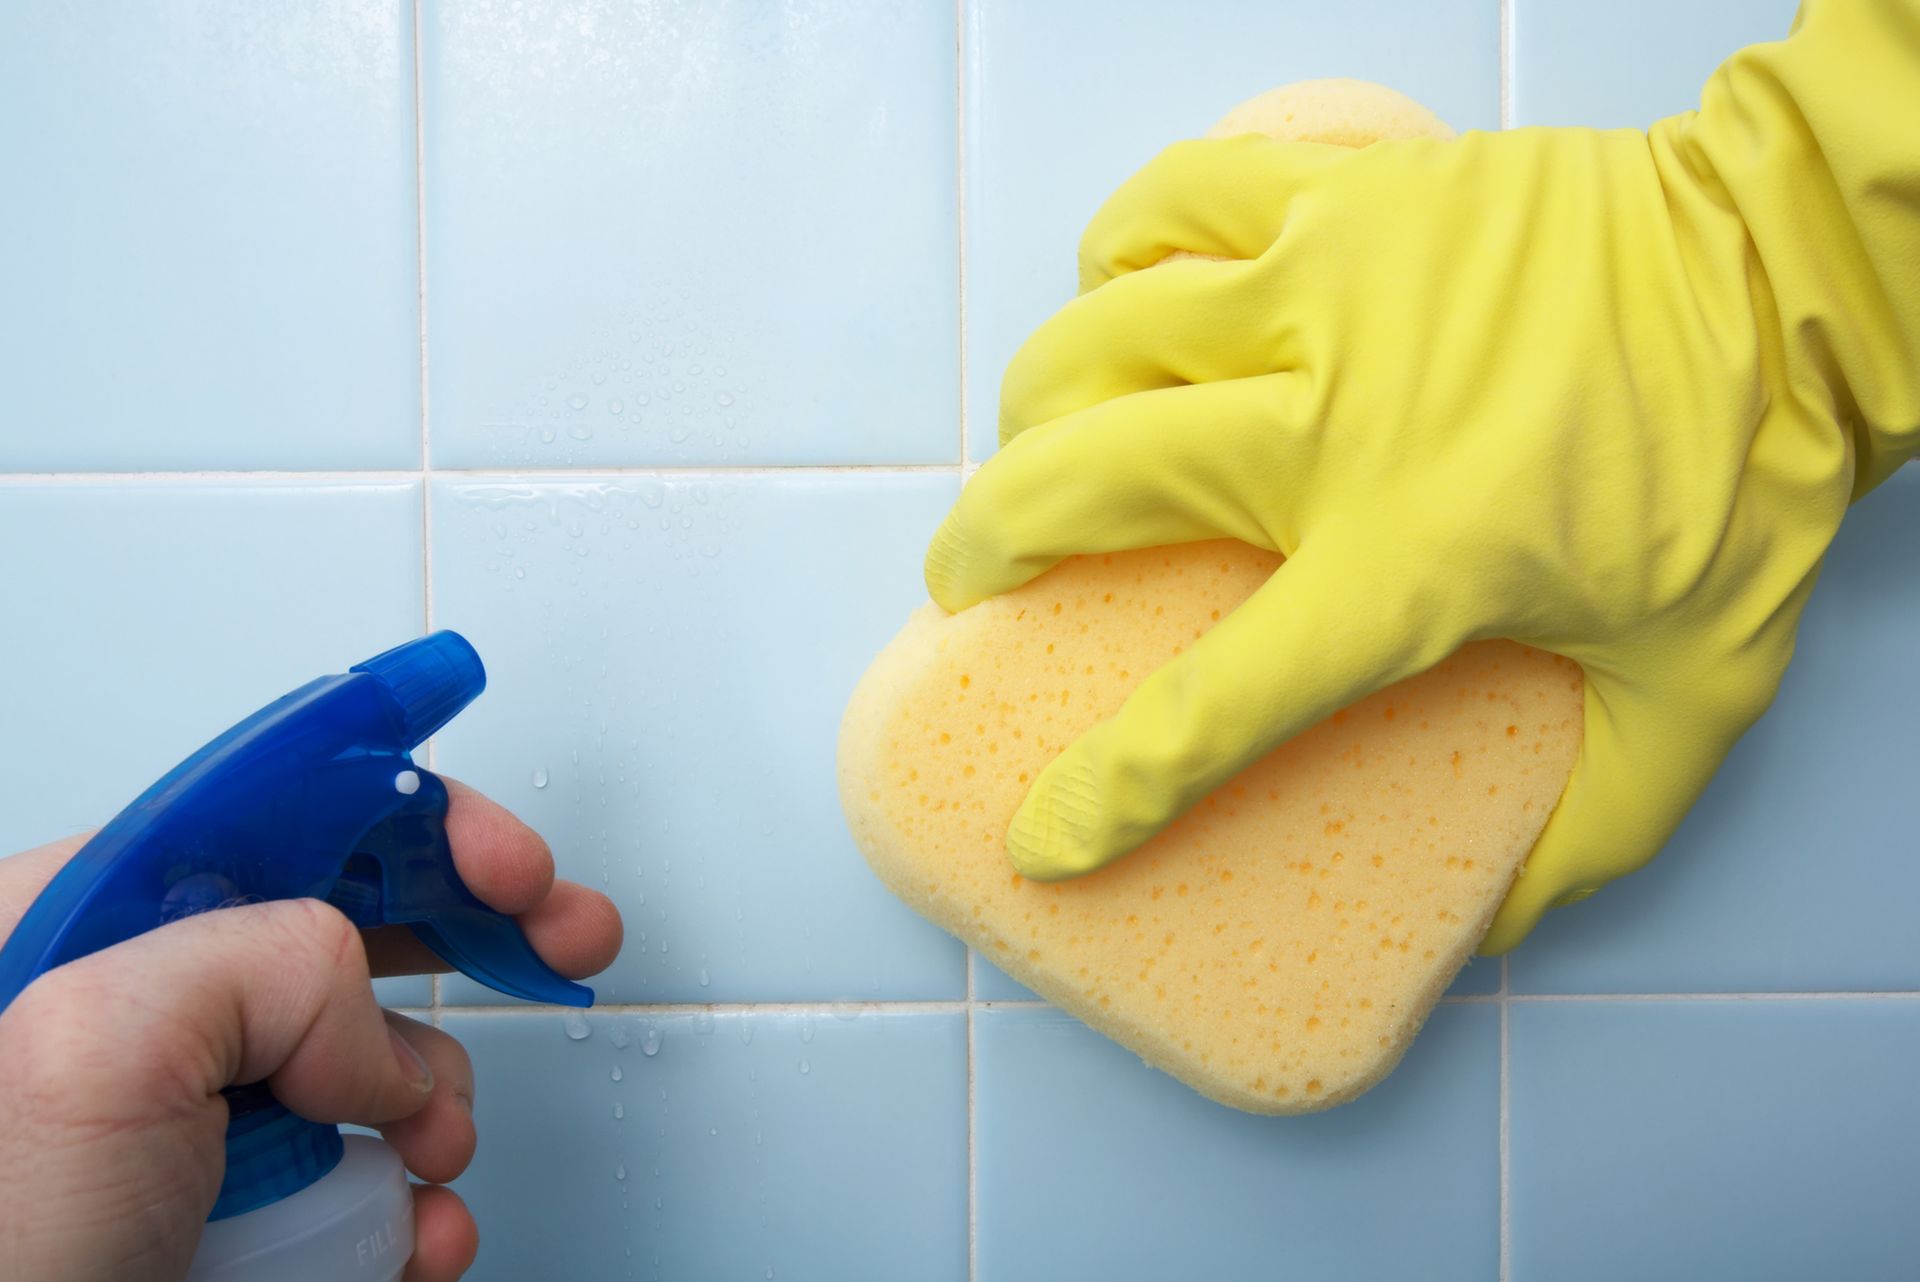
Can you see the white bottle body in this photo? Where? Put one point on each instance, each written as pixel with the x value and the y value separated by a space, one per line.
pixel 355 1222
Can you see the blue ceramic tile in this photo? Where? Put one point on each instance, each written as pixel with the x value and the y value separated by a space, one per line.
pixel 1480 977
pixel 1092 1165
pixel 668 661
pixel 209 254
pixel 1683 1140
pixel 142 620
pixel 730 1146
pixel 411 992
pixel 1628 63
pixel 1795 871
pixel 991 984
pixel 1065 100
pixel 709 233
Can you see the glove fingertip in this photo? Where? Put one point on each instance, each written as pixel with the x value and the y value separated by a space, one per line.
pixel 1056 833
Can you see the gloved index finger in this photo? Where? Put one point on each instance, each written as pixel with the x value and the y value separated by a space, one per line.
pixel 1293 653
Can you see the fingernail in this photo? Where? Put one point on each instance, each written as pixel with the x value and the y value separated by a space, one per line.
pixel 466 1102
pixel 418 1075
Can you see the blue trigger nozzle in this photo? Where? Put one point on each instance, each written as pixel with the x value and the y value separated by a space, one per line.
pixel 431 679
pixel 315 795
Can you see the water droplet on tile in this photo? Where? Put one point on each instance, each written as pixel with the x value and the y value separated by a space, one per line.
pixel 547 435
pixel 615 407
pixel 599 379
pixel 619 1112
pixel 540 777
pixel 723 399
pixel 519 571
pixel 615 1074
pixel 805 1068
pixel 713 1130
pixel 577 401
pixel 618 1036
pixel 580 432
pixel 746 1032
pixel 650 1044
pixel 578 1029
pixel 806 1029
pixel 706 980
pixel 620 1172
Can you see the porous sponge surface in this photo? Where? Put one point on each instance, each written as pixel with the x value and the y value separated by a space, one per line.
pixel 1279 946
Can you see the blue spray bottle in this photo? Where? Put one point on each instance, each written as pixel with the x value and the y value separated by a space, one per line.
pixel 314 795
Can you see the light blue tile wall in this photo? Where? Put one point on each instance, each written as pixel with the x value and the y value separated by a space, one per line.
pixel 1681 1140
pixel 732 234
pixel 714 233
pixel 207 236
pixel 1628 63
pixel 669 660
pixel 1093 1165
pixel 720 1146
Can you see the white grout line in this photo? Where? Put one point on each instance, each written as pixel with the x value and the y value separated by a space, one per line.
pixel 377 476
pixel 1506 986
pixel 1505 54
pixel 960 291
pixel 1895 995
pixel 960 215
pixel 842 1009
pixel 369 476
pixel 973 1003
pixel 973 1130
pixel 430 749
pixel 1506 1126
pixel 1506 64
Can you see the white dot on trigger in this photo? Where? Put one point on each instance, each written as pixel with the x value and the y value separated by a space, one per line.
pixel 406 783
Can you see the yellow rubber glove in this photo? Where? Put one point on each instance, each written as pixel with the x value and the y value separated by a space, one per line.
pixel 1605 393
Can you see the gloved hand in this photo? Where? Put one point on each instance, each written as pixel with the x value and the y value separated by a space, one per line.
pixel 1605 393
